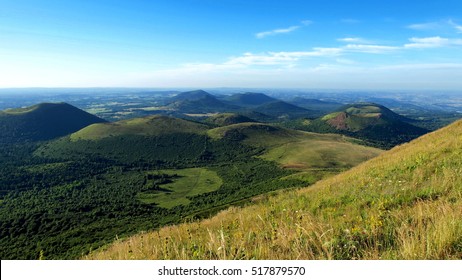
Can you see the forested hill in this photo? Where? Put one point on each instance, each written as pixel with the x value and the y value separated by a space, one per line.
pixel 43 122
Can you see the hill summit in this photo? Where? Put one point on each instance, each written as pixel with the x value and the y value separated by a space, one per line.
pixel 368 121
pixel 43 122
pixel 198 101
pixel 250 99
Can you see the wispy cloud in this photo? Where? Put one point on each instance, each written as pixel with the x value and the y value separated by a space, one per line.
pixel 280 58
pixel 437 25
pixel 350 20
pixel 432 42
pixel 278 31
pixel 455 25
pixel 337 58
pixel 425 26
pixel 363 48
pixel 356 40
pixel 264 34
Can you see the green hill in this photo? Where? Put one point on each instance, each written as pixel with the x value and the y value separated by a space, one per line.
pixel 281 109
pixel 319 106
pixel 225 119
pixel 198 101
pixel 156 139
pixel 147 126
pixel 249 99
pixel 190 96
pixel 368 121
pixel 312 153
pixel 403 204
pixel 43 122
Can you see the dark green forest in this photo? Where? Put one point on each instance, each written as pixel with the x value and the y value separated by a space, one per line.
pixel 61 201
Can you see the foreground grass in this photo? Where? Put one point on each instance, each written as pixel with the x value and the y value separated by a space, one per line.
pixel 403 204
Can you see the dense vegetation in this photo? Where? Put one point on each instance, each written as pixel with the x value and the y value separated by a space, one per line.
pixel 404 204
pixel 66 197
pixel 64 207
pixel 62 198
pixel 42 122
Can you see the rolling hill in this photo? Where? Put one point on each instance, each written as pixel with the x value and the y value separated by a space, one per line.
pixel 369 121
pixel 319 106
pixel 404 204
pixel 43 121
pixel 225 119
pixel 198 102
pixel 280 109
pixel 155 125
pixel 249 99
pixel 315 155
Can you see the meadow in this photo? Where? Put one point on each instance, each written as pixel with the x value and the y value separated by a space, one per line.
pixel 185 183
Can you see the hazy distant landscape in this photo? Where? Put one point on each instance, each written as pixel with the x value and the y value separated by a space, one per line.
pixel 230 130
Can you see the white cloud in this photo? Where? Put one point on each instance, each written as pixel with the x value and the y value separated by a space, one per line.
pixel 432 42
pixel 290 29
pixel 436 25
pixel 324 75
pixel 357 40
pixel 350 40
pixel 264 34
pixel 362 48
pixel 280 58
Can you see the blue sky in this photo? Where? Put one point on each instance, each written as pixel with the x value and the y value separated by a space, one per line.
pixel 232 43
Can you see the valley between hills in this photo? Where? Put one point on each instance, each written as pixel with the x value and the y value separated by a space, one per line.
pixel 242 176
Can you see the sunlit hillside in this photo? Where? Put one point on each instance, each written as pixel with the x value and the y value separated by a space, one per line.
pixel 403 204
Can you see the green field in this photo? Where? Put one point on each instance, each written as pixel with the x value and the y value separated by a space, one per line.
pixel 309 154
pixel 188 182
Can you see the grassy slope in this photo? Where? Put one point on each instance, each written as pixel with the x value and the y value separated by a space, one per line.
pixel 403 204
pixel 152 125
pixel 299 150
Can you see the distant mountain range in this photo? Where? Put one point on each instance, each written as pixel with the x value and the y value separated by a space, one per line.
pixel 247 104
pixel 368 121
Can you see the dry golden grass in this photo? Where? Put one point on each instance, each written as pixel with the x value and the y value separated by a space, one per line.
pixel 403 204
